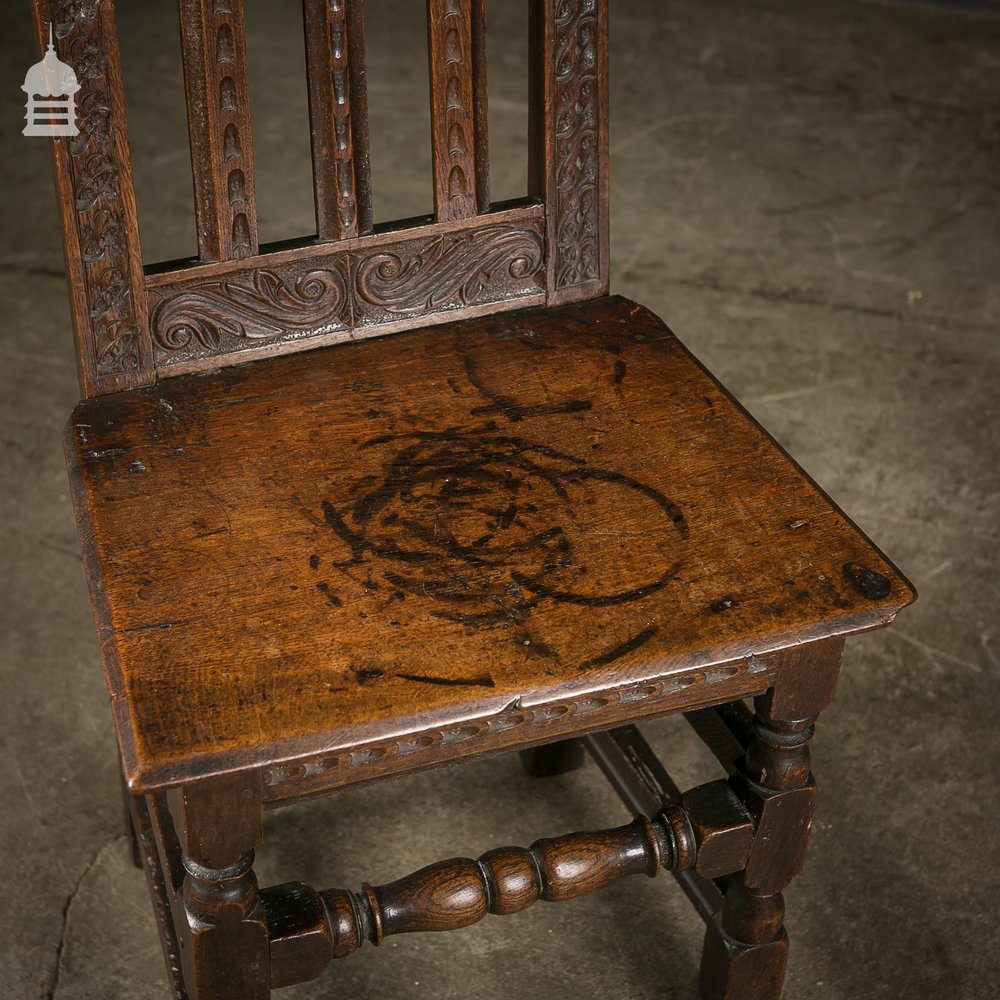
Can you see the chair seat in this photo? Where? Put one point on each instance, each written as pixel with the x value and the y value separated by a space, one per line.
pixel 488 532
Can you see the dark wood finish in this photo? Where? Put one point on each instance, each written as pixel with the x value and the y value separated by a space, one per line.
pixel 338 117
pixel 205 317
pixel 309 928
pixel 734 970
pixel 131 831
pixel 161 890
pixel 726 730
pixel 746 946
pixel 515 725
pixel 511 529
pixel 568 165
pixel 457 42
pixel 620 524
pixel 218 825
pixel 241 301
pixel 213 43
pixel 643 784
pixel 721 828
pixel 299 932
pixel 97 204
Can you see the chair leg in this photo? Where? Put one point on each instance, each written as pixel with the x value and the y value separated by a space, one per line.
pixel 219 824
pixel 746 947
pixel 554 758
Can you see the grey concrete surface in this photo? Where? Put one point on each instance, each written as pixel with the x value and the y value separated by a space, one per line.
pixel 808 193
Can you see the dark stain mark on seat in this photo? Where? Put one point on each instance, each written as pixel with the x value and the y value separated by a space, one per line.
pixel 487 525
pixel 874 586
pixel 509 407
pixel 367 675
pixel 324 589
pixel 616 652
pixel 484 680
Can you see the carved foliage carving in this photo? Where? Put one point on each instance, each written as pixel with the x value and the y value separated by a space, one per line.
pixel 218 315
pixel 97 190
pixel 448 271
pixel 576 142
pixel 342 290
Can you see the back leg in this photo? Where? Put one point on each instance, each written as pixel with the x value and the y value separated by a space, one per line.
pixel 553 758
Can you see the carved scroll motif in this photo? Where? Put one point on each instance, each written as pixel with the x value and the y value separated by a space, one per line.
pixel 457 269
pixel 217 315
pixel 577 143
pixel 102 199
pixel 321 293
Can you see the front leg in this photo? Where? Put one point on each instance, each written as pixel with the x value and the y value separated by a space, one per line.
pixel 224 946
pixel 746 947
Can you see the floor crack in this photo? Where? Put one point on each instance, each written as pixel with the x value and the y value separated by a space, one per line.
pixel 50 991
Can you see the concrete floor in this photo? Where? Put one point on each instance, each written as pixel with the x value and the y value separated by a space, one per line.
pixel 809 194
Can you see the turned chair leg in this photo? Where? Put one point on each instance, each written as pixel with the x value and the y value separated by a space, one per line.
pixel 746 946
pixel 225 942
pixel 553 758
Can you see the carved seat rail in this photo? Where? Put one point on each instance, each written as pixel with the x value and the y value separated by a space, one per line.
pixel 238 300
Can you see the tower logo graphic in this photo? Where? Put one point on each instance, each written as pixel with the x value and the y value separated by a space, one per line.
pixel 51 87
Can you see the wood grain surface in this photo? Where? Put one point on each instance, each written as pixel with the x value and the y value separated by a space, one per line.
pixel 381 540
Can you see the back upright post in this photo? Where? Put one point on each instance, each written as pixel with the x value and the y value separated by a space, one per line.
pixel 568 143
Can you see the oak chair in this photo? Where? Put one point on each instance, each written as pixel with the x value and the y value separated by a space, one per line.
pixel 320 556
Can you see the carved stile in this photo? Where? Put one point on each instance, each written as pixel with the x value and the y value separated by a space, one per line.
pixel 568 165
pixel 457 39
pixel 215 77
pixel 338 115
pixel 97 203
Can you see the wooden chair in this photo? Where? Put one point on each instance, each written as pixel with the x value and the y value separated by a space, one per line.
pixel 528 522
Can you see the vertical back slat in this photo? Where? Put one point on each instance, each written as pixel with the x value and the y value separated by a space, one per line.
pixel 568 165
pixel 457 42
pixel 97 203
pixel 215 78
pixel 338 117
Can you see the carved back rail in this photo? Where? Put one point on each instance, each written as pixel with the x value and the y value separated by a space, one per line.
pixel 238 300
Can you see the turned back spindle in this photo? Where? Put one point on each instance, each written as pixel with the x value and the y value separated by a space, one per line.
pixel 237 300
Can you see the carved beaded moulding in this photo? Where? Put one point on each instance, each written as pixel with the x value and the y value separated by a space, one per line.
pixel 321 770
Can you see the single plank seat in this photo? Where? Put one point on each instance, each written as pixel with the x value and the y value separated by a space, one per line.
pixel 461 539
pixel 320 555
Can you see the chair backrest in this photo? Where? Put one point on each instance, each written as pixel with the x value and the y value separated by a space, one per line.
pixel 239 300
